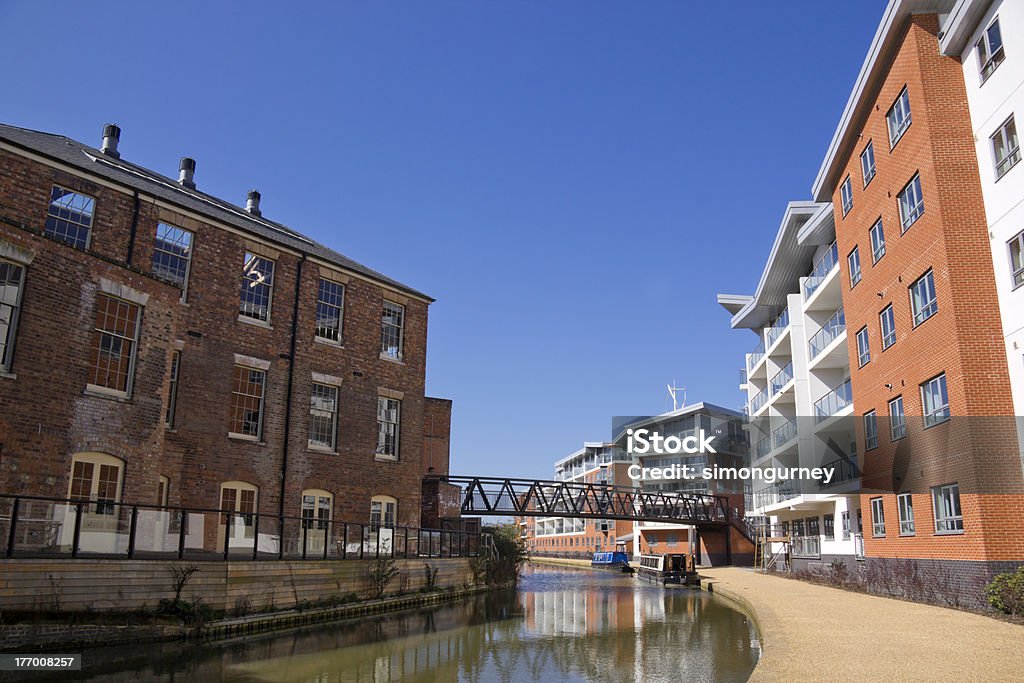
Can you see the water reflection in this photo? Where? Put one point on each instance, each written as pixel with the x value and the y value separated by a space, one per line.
pixel 561 625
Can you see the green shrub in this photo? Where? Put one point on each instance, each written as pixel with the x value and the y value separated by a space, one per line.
pixel 1006 592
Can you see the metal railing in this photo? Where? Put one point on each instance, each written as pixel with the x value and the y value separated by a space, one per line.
pixel 32 526
pixel 844 470
pixel 782 378
pixel 763 448
pixel 832 402
pixel 756 355
pixel 759 400
pixel 778 327
pixel 785 433
pixel 824 266
pixel 775 494
pixel 828 333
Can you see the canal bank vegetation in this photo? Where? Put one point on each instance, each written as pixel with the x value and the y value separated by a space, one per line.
pixel 501 561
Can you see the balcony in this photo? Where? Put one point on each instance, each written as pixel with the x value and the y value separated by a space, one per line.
pixel 845 470
pixel 805 546
pixel 763 448
pixel 782 378
pixel 758 401
pixel 775 494
pixel 756 355
pixel 828 333
pixel 832 402
pixel 778 327
pixel 824 266
pixel 784 434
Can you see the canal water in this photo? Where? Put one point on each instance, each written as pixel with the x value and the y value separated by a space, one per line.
pixel 561 624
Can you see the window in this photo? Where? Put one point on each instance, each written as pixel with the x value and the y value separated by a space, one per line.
pixel 383 511
pixel 844 519
pixel 316 509
pixel 830 527
pixel 330 304
pixel 1016 247
pixel 897 419
pixel 163 491
pixel 238 501
pixel 877 517
pixel 172 255
pixel 247 402
pixel 113 344
pixel 392 322
pixel 854 260
pixel 69 218
pixel 96 477
pixel 863 347
pixel 898 118
pixel 877 234
pixel 1006 147
pixel 922 298
pixel 948 516
pixel 870 430
pixel 323 416
pixel 867 163
pixel 257 288
pixel 846 191
pixel 12 283
pixel 990 50
pixel 935 401
pixel 172 390
pixel 887 320
pixel 911 203
pixel 388 422
pixel 905 503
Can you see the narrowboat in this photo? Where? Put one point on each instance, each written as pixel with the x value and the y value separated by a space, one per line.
pixel 671 568
pixel 617 560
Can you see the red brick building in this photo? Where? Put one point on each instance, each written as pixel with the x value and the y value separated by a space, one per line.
pixel 163 346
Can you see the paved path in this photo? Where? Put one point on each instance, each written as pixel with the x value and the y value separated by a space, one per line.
pixel 815 633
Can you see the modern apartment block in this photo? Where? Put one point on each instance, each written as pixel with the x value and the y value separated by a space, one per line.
pixel 799 400
pixel 163 346
pixel 595 463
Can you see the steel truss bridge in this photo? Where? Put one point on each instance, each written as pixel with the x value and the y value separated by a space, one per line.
pixel 583 500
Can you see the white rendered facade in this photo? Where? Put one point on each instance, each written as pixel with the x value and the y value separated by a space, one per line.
pixel 994 81
pixel 797 386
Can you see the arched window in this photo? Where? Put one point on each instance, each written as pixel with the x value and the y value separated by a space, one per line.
pixel 97 477
pixel 383 511
pixel 238 497
pixel 316 508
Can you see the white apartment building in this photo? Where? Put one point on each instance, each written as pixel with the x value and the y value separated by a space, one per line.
pixel 988 37
pixel 799 399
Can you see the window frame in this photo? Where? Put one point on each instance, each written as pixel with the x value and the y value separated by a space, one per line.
pixel 51 232
pixel 172 390
pixel 901 127
pixel 912 214
pixel 870 434
pixel 1013 155
pixel 863 355
pixel 953 523
pixel 928 281
pixel 7 344
pixel 183 285
pixel 846 195
pixel 236 510
pixel 338 337
pixel 382 515
pixel 248 282
pixel 897 420
pixel 876 235
pixel 847 529
pixel 98 508
pixel 310 441
pixel 235 405
pixel 856 275
pixel 905 513
pixel 887 313
pixel 877 518
pixel 936 414
pixel 989 61
pixel 868 173
pixel 315 520
pixel 387 326
pixel 382 410
pixel 1016 270
pixel 96 345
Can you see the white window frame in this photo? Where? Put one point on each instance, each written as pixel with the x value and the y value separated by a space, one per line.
pixel 863 347
pixel 88 207
pixel 187 257
pixel 949 516
pixel 911 212
pixel 237 395
pixel 935 401
pixel 391 330
pixel 989 61
pixel 897 419
pixel 326 333
pixel 844 518
pixel 923 299
pixel 905 506
pixel 867 163
pixel 870 430
pixel 315 411
pixel 846 192
pixel 11 296
pixel 877 235
pixel 877 518
pixel 247 517
pixel 1015 252
pixel 887 326
pixel 102 512
pixel 853 261
pixel 386 405
pixel 253 277
pixel 1006 138
pixel 379 512
pixel 898 118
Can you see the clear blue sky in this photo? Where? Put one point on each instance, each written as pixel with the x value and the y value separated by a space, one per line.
pixel 572 181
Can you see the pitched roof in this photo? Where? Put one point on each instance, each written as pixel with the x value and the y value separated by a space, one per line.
pixel 92 161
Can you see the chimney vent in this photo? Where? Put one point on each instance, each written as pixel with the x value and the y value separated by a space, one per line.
pixel 252 203
pixel 186 172
pixel 111 135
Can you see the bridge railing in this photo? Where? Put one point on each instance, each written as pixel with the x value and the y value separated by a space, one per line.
pixel 32 526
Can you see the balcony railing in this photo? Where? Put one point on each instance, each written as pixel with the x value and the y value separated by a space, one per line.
pixel 32 526
pixel 778 327
pixel 822 268
pixel 775 494
pixel 844 470
pixel 758 401
pixel 763 447
pixel 828 333
pixel 756 355
pixel 785 433
pixel 782 378
pixel 805 546
pixel 832 402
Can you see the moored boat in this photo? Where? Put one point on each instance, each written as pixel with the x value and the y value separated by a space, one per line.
pixel 670 568
pixel 616 560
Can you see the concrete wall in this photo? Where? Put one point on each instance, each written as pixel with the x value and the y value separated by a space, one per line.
pixel 77 585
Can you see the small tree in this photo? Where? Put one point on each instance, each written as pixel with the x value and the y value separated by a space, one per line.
pixel 1006 592
pixel 380 573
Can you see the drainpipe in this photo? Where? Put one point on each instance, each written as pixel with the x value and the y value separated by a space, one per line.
pixel 135 228
pixel 288 393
